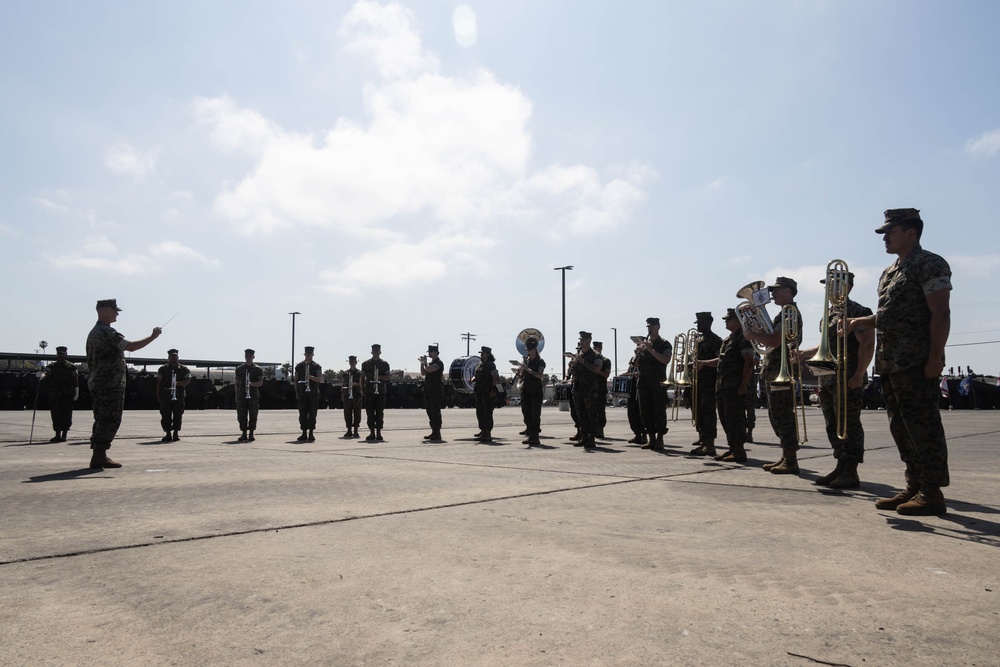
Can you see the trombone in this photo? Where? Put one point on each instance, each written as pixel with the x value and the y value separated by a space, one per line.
pixel 693 339
pixel 790 373
pixel 824 362
pixel 678 375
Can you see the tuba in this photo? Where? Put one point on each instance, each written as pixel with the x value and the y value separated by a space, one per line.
pixel 753 312
pixel 824 362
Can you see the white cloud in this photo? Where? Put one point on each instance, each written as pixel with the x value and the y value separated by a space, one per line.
pixel 99 253
pixel 7 230
pixel 976 266
pixel 987 145
pixel 123 159
pixel 463 22
pixel 435 152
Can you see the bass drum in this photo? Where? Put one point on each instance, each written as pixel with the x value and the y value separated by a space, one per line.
pixel 461 373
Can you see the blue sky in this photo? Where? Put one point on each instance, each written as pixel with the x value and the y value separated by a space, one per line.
pixel 403 173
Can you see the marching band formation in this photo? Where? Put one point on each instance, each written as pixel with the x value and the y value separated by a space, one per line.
pixel 911 325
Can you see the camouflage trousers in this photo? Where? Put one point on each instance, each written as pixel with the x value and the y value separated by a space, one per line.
pixel 531 411
pixel 911 402
pixel 375 410
pixel 246 413
pixel 587 411
pixel 352 410
pixel 308 409
pixel 485 405
pixel 733 415
pixel 171 414
pixel 706 418
pixel 781 413
pixel 851 450
pixel 108 406
pixel 61 409
pixel 433 404
pixel 653 407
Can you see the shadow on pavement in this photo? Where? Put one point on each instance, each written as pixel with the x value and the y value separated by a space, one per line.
pixel 69 474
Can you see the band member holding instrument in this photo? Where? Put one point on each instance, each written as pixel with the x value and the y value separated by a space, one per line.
pixel 432 368
pixel 709 347
pixel 780 402
pixel 587 382
pixel 632 406
pixel 106 362
pixel 249 380
pixel 352 398
pixel 734 366
pixel 63 387
pixel 485 383
pixel 308 377
pixel 653 358
pixel 570 378
pixel 171 378
pixel 912 321
pixel 858 349
pixel 532 376
pixel 753 397
pixel 602 389
pixel 375 385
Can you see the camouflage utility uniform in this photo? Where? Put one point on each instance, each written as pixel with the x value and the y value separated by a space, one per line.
pixel 709 347
pixel 307 394
pixel 586 389
pixel 62 383
pixel 352 405
pixel 732 407
pixel 171 411
pixel 780 407
pixel 434 394
pixel 247 408
pixel 106 382
pixel 851 450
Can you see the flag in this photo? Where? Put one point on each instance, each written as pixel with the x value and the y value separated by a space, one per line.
pixel 944 388
pixel 964 386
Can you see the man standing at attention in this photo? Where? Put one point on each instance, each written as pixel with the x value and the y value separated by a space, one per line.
pixel 63 388
pixel 171 378
pixel 432 368
pixel 249 380
pixel 106 363
pixel 912 325
pixel 309 376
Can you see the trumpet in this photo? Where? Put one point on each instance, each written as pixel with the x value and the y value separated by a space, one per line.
pixel 306 376
pixel 350 386
pixel 824 362
pixel 173 385
pixel 753 312
pixel 790 373
pixel 377 381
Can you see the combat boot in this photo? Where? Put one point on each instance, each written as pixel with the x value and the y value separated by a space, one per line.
pixel 911 490
pixel 371 437
pixel 929 501
pixel 789 464
pixel 177 436
pixel 303 437
pixel 577 436
pixel 250 437
pixel 848 477
pixel 435 435
pixel 349 432
pixel 165 438
pixel 378 436
pixel 739 455
pixel 57 438
pixel 769 466
pixel 356 434
pixel 700 450
pixel 656 442
pixel 243 437
pixel 826 479
pixel 709 448
pixel 588 443
pixel 724 456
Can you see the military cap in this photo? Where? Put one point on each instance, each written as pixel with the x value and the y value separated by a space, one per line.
pixel 850 279
pixel 61 348
pixel 376 347
pixel 487 350
pixel 598 343
pixel 310 349
pixel 782 281
pixel 650 321
pixel 352 358
pixel 703 316
pixel 586 335
pixel 432 348
pixel 172 350
pixel 248 351
pixel 895 216
pixel 531 343
pixel 730 314
pixel 109 303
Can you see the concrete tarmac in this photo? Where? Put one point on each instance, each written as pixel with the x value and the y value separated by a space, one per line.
pixel 342 552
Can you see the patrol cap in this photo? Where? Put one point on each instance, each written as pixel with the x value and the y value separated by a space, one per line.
pixel 850 279
pixel 376 347
pixel 783 281
pixel 896 216
pixel 730 314
pixel 598 343
pixel 310 349
pixel 586 335
pixel 61 348
pixel 352 358
pixel 703 316
pixel 487 350
pixel 109 303
pixel 248 351
pixel 172 350
pixel 432 348
pixel 531 343
pixel 652 321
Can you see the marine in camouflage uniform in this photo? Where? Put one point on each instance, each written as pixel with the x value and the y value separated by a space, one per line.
pixel 780 402
pixel 912 325
pixel 860 345
pixel 353 397
pixel 106 380
pixel 432 368
pixel 709 347
pixel 308 378
pixel 171 405
pixel 62 385
pixel 586 390
pixel 753 397
pixel 375 383
pixel 485 380
pixel 248 374
pixel 652 360
pixel 734 367
pixel 602 383
pixel 532 376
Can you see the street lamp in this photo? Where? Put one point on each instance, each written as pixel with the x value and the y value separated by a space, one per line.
pixel 564 269
pixel 291 360
pixel 616 349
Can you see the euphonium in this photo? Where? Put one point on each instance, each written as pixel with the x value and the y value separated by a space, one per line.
pixel 753 312
pixel 824 362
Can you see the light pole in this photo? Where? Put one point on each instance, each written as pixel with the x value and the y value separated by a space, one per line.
pixel 468 338
pixel 616 349
pixel 564 269
pixel 291 360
